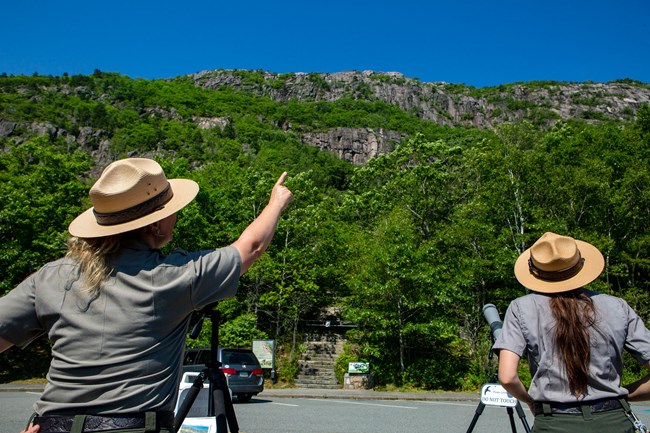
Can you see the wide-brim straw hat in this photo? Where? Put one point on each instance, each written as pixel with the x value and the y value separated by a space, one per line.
pixel 557 263
pixel 131 193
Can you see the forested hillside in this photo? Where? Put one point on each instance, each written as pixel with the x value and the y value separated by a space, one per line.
pixel 407 243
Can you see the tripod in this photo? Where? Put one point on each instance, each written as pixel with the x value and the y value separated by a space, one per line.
pixel 509 410
pixel 219 401
pixel 492 317
pixel 495 325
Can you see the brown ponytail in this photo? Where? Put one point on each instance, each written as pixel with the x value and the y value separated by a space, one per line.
pixel 574 314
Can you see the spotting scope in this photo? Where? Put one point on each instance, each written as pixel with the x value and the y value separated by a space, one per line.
pixel 491 315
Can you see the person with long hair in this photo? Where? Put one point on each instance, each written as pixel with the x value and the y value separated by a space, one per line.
pixel 116 309
pixel 574 340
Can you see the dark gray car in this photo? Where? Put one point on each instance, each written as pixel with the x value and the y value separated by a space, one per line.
pixel 243 372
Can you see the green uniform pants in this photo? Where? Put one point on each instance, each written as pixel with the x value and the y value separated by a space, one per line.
pixel 613 421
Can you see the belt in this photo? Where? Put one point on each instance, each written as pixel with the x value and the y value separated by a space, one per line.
pixel 576 408
pixel 100 423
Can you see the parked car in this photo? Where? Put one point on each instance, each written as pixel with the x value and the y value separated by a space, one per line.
pixel 243 372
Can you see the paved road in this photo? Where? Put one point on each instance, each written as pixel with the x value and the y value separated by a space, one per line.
pixel 322 415
pixel 15 409
pixel 318 415
pixel 333 411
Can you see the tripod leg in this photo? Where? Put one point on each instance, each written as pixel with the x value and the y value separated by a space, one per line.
pixel 477 413
pixel 220 410
pixel 512 419
pixel 222 403
pixel 230 413
pixel 188 401
pixel 522 417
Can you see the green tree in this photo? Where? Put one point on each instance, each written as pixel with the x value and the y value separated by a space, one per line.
pixel 43 190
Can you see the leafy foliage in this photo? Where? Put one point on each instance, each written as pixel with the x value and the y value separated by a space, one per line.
pixel 408 248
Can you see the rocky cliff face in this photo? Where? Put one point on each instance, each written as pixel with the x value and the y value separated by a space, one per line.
pixel 542 103
pixel 447 104
pixel 355 145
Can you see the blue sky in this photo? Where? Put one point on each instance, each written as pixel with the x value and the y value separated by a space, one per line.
pixel 474 42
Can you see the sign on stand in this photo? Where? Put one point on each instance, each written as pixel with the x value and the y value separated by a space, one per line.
pixel 264 351
pixel 359 367
pixel 493 394
pixel 199 425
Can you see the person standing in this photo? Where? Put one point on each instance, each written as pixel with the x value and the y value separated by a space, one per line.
pixel 574 339
pixel 116 309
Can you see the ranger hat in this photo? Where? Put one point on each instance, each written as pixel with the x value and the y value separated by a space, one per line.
pixel 558 263
pixel 131 193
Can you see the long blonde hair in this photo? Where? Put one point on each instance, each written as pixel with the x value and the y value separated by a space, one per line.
pixel 93 254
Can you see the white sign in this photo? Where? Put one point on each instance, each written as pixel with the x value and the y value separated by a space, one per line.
pixel 264 350
pixel 358 367
pixel 199 425
pixel 493 394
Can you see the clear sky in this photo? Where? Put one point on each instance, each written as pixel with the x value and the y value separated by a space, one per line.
pixel 474 42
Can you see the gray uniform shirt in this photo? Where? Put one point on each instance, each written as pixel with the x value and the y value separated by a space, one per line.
pixel 529 327
pixel 121 352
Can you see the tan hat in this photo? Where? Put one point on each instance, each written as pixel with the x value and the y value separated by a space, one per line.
pixel 131 193
pixel 558 263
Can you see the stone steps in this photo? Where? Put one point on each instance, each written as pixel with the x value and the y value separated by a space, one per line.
pixel 317 363
pixel 311 364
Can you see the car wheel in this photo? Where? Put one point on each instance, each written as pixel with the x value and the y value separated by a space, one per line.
pixel 243 398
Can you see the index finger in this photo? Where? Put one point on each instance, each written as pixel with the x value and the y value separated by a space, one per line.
pixel 281 179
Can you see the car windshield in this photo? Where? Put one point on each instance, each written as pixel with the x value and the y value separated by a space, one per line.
pixel 230 357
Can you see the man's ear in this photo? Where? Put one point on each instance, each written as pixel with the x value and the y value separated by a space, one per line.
pixel 154 228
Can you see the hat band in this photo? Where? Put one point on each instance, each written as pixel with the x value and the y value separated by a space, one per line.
pixel 135 212
pixel 561 275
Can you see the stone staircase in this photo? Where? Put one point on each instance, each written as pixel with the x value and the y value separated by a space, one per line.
pixel 316 365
